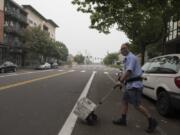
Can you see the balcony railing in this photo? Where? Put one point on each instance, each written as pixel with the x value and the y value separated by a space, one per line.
pixel 5 40
pixel 16 15
pixel 15 50
pixel 14 30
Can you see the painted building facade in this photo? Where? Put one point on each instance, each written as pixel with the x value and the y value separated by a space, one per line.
pixel 35 19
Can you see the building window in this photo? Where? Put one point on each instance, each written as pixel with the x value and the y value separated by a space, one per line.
pixel 178 28
pixel 30 21
pixel 45 28
pixel 11 24
pixel 174 34
pixel 174 30
pixel 170 35
pixel 5 9
pixel 171 26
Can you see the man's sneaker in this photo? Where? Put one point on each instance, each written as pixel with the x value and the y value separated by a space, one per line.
pixel 120 122
pixel 152 126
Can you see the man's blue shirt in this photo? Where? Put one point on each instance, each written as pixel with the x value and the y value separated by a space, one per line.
pixel 131 63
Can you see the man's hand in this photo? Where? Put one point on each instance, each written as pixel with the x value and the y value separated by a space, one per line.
pixel 118 84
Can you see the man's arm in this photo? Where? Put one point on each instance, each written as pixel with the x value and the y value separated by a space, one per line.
pixel 125 76
pixel 130 62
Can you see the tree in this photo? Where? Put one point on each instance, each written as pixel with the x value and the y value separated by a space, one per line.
pixel 63 51
pixel 134 48
pixel 37 42
pixel 79 58
pixel 110 58
pixel 143 21
pixel 39 46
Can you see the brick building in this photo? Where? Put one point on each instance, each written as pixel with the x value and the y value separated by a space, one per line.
pixel 1 28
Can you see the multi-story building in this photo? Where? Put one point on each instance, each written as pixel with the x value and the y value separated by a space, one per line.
pixel 1 28
pixel 173 39
pixel 35 19
pixel 15 21
pixel 1 19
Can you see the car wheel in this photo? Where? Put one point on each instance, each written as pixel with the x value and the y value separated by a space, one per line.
pixel 164 104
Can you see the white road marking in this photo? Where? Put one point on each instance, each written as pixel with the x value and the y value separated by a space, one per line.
pixel 28 73
pixel 71 70
pixel 111 78
pixel 60 70
pixel 83 71
pixel 72 118
pixel 44 71
pixel 106 73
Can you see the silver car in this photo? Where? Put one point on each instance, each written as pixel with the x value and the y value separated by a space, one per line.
pixel 8 67
pixel 44 66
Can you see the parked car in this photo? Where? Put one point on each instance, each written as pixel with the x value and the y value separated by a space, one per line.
pixel 161 79
pixel 54 65
pixel 8 66
pixel 43 66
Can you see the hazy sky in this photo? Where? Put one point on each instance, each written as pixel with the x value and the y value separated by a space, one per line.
pixel 74 29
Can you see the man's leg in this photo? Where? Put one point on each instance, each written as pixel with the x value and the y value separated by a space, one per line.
pixel 143 110
pixel 152 122
pixel 122 121
pixel 124 107
pixel 136 96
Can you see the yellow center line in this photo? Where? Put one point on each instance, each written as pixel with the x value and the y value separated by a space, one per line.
pixel 30 81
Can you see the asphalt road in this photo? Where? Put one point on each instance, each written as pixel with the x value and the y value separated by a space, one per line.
pixel 40 103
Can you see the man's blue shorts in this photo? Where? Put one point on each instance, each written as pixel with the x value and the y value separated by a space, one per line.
pixel 133 96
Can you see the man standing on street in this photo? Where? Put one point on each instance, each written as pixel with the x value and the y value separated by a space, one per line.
pixel 132 81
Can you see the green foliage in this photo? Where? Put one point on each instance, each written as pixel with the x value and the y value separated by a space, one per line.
pixel 79 58
pixel 135 48
pixel 110 58
pixel 61 51
pixel 143 21
pixel 40 45
pixel 154 50
pixel 36 40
